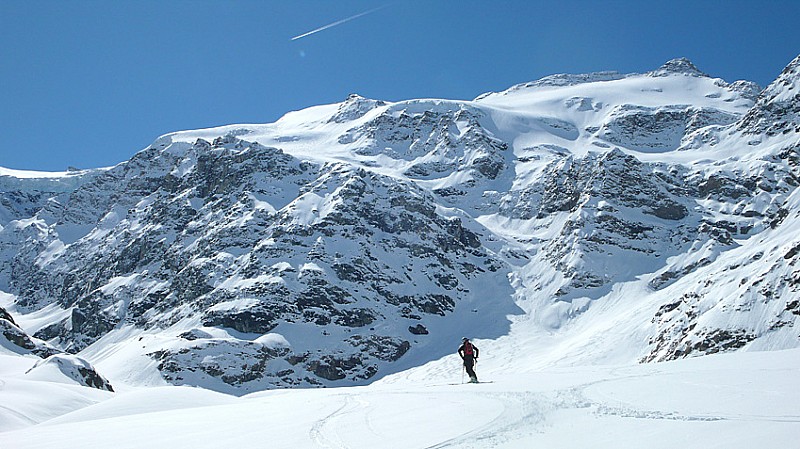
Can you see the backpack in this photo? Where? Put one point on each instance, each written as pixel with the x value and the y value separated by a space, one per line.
pixel 468 348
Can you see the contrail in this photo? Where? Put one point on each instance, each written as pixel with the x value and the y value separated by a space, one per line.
pixel 338 22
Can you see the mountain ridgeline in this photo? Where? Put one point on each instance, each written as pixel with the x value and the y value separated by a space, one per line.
pixel 349 241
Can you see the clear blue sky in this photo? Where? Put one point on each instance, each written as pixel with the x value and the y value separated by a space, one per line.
pixel 89 83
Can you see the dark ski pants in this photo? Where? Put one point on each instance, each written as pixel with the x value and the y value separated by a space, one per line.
pixel 469 365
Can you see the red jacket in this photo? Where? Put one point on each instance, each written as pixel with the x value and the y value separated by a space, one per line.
pixel 468 349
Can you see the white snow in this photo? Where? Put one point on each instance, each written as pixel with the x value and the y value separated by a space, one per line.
pixel 272 340
pixel 731 401
pixel 29 174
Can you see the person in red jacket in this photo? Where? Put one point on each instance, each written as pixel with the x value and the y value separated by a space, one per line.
pixel 469 354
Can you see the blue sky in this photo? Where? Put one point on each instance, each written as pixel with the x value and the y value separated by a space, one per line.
pixel 89 83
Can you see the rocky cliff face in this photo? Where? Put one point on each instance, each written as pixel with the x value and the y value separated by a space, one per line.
pixel 237 236
pixel 348 241
pixel 748 297
pixel 777 110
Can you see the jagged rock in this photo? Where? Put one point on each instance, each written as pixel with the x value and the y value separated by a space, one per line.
pixel 680 66
pixel 646 129
pixel 19 341
pixel 777 110
pixel 231 365
pixel 384 348
pixel 355 107
pixel 254 320
pixel 4 315
pixel 14 334
pixel 419 329
pixel 337 368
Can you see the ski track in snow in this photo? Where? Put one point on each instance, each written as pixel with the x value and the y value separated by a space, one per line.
pixel 324 432
pixel 523 414
pixel 565 407
pixel 355 417
pixel 20 415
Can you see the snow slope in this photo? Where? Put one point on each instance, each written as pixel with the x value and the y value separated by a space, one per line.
pixel 739 400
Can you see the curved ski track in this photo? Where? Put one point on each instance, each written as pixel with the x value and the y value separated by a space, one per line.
pixel 520 415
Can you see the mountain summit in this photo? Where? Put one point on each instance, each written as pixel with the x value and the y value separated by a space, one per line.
pixel 678 66
pixel 609 218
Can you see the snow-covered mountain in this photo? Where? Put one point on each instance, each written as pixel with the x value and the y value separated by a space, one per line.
pixel 606 217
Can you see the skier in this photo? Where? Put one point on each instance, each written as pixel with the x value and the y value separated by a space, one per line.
pixel 469 354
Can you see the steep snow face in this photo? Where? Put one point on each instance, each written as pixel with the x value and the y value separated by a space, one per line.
pixel 348 241
pixel 778 107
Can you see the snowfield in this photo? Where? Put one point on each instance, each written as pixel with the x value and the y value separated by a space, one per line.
pixel 738 400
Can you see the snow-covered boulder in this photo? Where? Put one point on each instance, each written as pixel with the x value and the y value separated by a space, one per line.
pixel 68 368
